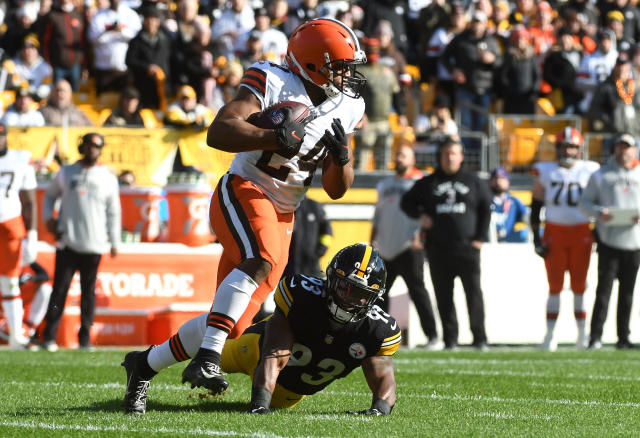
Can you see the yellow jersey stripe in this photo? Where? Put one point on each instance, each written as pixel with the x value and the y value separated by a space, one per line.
pixel 365 261
pixel 390 346
pixel 283 298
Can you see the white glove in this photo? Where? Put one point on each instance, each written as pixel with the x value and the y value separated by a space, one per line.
pixel 30 248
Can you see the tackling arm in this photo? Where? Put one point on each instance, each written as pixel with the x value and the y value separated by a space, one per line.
pixel 379 372
pixel 278 340
pixel 230 131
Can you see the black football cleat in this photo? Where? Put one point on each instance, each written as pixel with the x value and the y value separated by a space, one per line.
pixel 135 398
pixel 203 373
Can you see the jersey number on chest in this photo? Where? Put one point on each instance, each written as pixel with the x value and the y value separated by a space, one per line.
pixel 327 369
pixel 571 191
pixel 10 175
pixel 306 163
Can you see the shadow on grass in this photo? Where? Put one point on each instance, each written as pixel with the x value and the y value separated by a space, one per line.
pixel 116 405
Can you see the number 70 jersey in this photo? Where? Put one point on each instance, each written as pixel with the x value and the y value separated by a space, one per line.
pixel 563 188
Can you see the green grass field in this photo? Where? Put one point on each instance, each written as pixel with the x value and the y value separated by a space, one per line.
pixel 505 392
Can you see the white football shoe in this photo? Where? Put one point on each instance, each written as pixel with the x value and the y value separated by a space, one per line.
pixel 549 344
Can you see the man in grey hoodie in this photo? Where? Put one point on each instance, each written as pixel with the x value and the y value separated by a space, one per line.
pixel 615 187
pixel 89 223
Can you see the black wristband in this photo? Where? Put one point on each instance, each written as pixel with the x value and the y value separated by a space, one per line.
pixel 536 206
pixel 260 397
pixel 382 406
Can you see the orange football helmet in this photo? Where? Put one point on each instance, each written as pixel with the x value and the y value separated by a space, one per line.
pixel 568 138
pixel 325 51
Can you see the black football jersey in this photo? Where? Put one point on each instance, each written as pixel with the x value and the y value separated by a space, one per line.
pixel 325 350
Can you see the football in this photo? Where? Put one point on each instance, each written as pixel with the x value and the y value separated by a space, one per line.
pixel 273 115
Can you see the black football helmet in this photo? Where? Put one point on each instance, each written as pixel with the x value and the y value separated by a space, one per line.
pixel 356 279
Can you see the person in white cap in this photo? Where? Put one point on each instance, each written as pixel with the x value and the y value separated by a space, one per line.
pixel 612 192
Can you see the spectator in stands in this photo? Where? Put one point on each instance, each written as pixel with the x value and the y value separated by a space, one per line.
pixel 501 19
pixel 614 187
pixel 186 49
pixel 186 112
pixel 585 9
pixel 616 102
pixel 389 54
pixel 614 22
pixel 228 83
pixel 524 13
pixel 543 31
pixel 567 240
pixel 439 77
pixel 381 95
pixel 148 58
pixel 202 63
pixel 454 208
pixel 25 23
pixel 127 113
pixel 254 51
pixel 519 76
pixel 560 71
pixel 392 11
pixel 311 238
pixel 472 57
pixel 595 67
pixel 506 209
pixel 63 44
pixel 24 111
pixel 126 179
pixel 274 41
pixel 88 225
pixel 578 26
pixel 628 15
pixel 437 124
pixel 293 17
pixel 231 25
pixel 436 15
pixel 31 68
pixel 110 31
pixel 60 109
pixel 398 239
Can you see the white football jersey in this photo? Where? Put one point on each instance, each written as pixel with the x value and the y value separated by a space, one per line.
pixel 16 174
pixel 285 180
pixel 563 188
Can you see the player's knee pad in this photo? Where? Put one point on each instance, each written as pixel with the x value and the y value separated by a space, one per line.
pixel 9 286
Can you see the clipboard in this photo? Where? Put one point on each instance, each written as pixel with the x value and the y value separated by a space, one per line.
pixel 622 217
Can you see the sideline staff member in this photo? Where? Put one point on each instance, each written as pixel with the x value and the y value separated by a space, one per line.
pixel 615 185
pixel 454 207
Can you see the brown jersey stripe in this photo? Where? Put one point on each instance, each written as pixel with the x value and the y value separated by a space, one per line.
pixel 177 349
pixel 259 75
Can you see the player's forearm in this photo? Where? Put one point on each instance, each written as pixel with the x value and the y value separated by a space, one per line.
pixel 385 390
pixel 336 180
pixel 237 135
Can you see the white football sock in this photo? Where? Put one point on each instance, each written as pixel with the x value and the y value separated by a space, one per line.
pixel 39 304
pixel 232 299
pixel 190 334
pixel 553 308
pixel 12 306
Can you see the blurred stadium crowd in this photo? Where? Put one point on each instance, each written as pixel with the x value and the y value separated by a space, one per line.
pixel 435 67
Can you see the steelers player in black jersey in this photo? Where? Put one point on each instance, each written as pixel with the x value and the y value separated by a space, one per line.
pixel 320 331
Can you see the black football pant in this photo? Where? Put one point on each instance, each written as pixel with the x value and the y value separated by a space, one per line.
pixel 410 266
pixel 614 263
pixel 67 263
pixel 444 267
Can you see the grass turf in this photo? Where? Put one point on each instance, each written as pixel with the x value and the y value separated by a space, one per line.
pixel 504 392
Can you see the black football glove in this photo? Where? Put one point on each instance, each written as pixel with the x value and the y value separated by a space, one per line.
pixel 371 411
pixel 541 249
pixel 290 134
pixel 336 143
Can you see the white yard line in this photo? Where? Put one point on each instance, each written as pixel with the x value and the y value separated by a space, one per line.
pixel 521 374
pixel 479 398
pixel 509 362
pixel 129 429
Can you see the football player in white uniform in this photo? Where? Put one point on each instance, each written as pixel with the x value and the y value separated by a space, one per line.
pixel 17 209
pixel 567 240
pixel 253 204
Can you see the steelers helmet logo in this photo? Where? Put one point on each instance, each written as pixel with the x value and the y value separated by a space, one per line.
pixel 357 350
